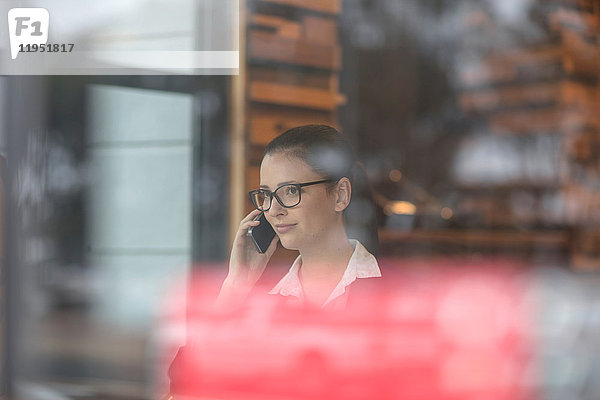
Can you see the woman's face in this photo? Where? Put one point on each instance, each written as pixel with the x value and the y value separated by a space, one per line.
pixel 306 224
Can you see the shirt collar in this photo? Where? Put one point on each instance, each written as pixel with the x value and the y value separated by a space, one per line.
pixel 362 264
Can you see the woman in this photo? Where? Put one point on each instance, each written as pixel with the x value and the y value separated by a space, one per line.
pixel 315 196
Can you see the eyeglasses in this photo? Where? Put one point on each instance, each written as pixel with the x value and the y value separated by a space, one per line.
pixel 287 195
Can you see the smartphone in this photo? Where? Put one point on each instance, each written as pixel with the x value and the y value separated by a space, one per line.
pixel 262 234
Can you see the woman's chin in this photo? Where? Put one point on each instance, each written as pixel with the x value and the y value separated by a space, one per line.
pixel 287 244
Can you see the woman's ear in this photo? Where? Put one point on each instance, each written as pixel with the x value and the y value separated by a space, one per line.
pixel 343 193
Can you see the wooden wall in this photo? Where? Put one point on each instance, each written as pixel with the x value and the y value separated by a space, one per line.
pixel 527 89
pixel 550 87
pixel 291 72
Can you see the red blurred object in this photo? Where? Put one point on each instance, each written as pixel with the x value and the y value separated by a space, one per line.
pixel 424 331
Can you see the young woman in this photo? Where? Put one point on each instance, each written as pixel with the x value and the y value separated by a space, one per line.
pixel 315 196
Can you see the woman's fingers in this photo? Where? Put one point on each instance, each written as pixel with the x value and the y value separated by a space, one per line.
pixel 246 226
pixel 247 222
pixel 253 214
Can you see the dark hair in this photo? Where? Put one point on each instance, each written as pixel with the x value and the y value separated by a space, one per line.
pixel 328 152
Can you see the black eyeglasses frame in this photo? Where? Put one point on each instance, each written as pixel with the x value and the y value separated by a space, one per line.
pixel 274 193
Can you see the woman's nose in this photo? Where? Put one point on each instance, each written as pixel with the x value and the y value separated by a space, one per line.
pixel 276 208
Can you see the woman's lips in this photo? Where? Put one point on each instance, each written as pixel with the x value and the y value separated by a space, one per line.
pixel 283 228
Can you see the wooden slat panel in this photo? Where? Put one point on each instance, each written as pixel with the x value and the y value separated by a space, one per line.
pixel 266 123
pixel 290 31
pixel 320 30
pixel 575 120
pixel 543 120
pixel 586 249
pixel 511 66
pixel 582 58
pixel 325 6
pixel 252 182
pixel 254 154
pixel 585 261
pixel 315 80
pixel 505 97
pixel 582 203
pixel 584 22
pixel 284 28
pixel 582 147
pixel 253 178
pixel 266 46
pixel 267 21
pixel 523 56
pixel 581 104
pixel 485 237
pixel 290 95
pixel 580 96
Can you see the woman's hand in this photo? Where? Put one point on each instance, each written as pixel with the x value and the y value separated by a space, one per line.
pixel 246 264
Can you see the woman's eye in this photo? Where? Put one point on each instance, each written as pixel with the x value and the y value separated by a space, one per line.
pixel 292 190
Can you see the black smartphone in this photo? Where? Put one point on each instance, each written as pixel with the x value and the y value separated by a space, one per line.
pixel 262 234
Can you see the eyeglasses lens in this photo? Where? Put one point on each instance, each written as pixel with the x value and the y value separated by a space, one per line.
pixel 289 196
pixel 261 200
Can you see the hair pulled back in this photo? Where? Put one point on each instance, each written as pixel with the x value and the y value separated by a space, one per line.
pixel 329 154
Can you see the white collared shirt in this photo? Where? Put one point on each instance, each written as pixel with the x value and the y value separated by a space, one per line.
pixel 362 264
